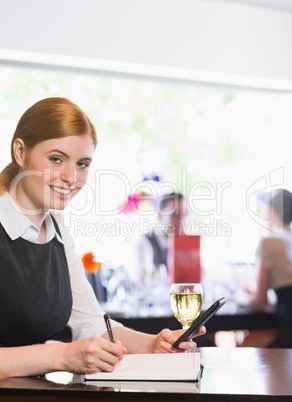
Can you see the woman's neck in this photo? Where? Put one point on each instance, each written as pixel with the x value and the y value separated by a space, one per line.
pixel 36 218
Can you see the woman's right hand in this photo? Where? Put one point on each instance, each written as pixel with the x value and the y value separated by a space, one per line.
pixel 92 355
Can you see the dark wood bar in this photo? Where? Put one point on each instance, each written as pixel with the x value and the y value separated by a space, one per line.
pixel 230 374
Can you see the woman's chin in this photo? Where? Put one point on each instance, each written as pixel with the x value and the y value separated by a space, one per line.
pixel 59 205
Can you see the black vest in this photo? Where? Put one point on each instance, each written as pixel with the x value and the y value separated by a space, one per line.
pixel 35 291
pixel 159 253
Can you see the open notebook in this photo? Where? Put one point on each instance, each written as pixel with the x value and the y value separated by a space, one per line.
pixel 154 367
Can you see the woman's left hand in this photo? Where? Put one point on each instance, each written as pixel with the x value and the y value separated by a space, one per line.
pixel 165 339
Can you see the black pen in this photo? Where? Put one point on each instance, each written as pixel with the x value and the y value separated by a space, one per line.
pixel 108 325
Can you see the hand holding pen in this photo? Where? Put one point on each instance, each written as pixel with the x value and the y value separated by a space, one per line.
pixel 110 332
pixel 109 328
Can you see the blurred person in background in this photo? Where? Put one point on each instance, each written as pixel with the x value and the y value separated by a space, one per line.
pixel 152 248
pixel 274 270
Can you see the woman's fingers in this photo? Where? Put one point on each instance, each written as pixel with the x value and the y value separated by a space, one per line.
pixel 166 338
pixel 92 355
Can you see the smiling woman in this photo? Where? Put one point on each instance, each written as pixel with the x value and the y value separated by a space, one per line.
pixel 43 286
pixel 63 166
pixel 41 175
pixel 48 119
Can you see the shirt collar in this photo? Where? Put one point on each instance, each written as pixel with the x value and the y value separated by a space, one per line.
pixel 16 224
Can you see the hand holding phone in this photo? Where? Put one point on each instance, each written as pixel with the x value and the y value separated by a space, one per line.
pixel 201 320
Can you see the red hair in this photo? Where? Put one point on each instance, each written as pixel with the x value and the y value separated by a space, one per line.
pixel 47 119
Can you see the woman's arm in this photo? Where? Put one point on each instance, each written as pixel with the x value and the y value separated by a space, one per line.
pixel 86 319
pixel 86 356
pixel 80 357
pixel 260 299
pixel 139 342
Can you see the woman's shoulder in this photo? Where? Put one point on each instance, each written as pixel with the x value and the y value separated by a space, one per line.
pixel 66 235
pixel 271 248
pixel 271 242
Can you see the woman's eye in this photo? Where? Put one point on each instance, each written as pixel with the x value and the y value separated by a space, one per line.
pixel 55 159
pixel 83 165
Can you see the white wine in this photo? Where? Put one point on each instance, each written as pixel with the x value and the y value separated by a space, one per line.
pixel 186 307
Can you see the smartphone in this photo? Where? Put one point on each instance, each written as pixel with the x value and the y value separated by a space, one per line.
pixel 201 320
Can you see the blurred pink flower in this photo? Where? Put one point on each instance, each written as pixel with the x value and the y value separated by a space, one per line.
pixel 131 204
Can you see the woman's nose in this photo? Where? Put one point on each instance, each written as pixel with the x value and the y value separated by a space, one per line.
pixel 68 174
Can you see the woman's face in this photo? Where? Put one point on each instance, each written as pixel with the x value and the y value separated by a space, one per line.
pixel 52 173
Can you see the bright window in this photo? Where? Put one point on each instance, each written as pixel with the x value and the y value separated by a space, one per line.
pixel 222 144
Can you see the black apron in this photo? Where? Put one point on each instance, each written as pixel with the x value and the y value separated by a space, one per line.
pixel 159 253
pixel 35 290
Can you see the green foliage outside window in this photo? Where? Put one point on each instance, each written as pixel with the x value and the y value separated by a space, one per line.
pixel 189 135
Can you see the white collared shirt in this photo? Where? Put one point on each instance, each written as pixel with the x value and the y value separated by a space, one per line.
pixel 10 213
pixel 87 316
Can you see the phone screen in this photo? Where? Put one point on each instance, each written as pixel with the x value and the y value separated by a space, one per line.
pixel 201 320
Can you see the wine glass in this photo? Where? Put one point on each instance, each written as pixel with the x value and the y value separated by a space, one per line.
pixel 186 301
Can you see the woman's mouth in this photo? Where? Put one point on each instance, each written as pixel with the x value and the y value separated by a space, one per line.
pixel 61 192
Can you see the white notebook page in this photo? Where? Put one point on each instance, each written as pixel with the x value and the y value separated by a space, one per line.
pixel 170 366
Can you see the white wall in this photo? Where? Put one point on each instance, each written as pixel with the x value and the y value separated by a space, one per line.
pixel 185 38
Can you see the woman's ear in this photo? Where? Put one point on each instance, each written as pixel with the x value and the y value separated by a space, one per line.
pixel 19 151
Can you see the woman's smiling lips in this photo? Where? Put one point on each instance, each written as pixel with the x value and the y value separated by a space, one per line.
pixel 61 192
